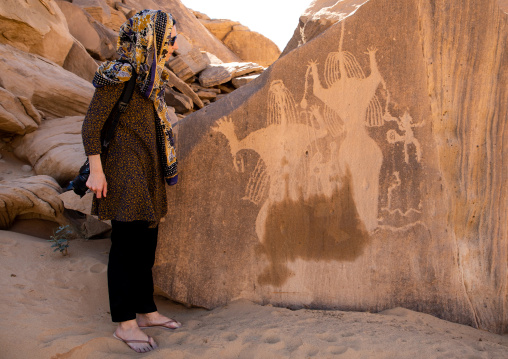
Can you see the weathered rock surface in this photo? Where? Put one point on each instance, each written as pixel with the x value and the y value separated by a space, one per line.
pixel 55 149
pixel 318 17
pixel 193 29
pixel 243 80
pixel 33 197
pixel 248 45
pixel 80 63
pixel 218 27
pixel 15 114
pixel 35 26
pixel 252 46
pixel 99 41
pixel 187 65
pixel 364 170
pixel 215 75
pixel 98 9
pixel 51 89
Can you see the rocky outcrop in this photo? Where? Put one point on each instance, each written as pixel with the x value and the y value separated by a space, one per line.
pixel 80 63
pixel 51 89
pixel 252 46
pixel 17 114
pixel 247 44
pixel 191 27
pixel 318 17
pixel 55 149
pixel 35 26
pixel 362 171
pixel 98 40
pixel 33 197
pixel 216 75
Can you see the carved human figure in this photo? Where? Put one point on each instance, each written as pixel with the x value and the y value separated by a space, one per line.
pixel 406 125
pixel 349 96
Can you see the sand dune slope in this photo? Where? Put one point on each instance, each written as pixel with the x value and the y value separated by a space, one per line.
pixel 56 307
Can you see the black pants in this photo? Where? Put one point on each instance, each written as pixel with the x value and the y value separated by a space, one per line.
pixel 131 258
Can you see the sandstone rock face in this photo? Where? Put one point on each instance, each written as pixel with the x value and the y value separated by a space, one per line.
pixel 33 197
pixel 364 170
pixel 80 63
pixel 14 117
pixel 248 45
pixel 218 74
pixel 193 29
pixel 55 149
pixel 51 89
pixel 95 37
pixel 252 46
pixel 98 9
pixel 35 26
pixel 319 16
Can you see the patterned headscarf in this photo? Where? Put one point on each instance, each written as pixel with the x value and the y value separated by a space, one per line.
pixel 143 43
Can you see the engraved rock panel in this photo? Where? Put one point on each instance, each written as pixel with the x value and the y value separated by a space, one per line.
pixel 362 171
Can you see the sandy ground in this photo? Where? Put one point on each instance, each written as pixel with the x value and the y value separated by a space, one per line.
pixel 56 307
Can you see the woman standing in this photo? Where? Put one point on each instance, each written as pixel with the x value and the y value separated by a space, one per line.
pixel 129 181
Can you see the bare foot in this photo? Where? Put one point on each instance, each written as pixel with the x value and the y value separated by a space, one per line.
pixel 130 333
pixel 155 319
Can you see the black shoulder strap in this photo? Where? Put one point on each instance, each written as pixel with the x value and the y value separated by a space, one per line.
pixel 121 105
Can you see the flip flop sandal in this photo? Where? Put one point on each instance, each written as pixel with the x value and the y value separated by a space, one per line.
pixel 133 341
pixel 164 325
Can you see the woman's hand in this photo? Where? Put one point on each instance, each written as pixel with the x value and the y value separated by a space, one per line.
pixel 97 180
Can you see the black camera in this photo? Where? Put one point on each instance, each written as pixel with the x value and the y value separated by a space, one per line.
pixel 78 184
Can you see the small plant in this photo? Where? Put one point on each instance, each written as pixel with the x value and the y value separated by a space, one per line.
pixel 59 239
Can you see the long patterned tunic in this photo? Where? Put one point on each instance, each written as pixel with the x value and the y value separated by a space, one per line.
pixel 135 183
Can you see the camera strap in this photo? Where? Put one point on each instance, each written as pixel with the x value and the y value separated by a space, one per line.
pixel 109 127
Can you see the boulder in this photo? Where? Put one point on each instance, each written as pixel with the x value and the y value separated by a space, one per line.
pixel 35 26
pixel 184 88
pixel 215 75
pixel 97 39
pixel 80 63
pixel 219 28
pixel 187 65
pixel 243 80
pixel 14 116
pixel 248 45
pixel 364 170
pixel 98 9
pixel 192 28
pixel 180 102
pixel 32 197
pixel 55 149
pixel 252 46
pixel 50 88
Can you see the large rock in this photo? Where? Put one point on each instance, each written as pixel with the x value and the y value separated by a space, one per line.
pixel 33 197
pixel 218 27
pixel 189 25
pixel 364 170
pixel 35 26
pixel 252 46
pixel 80 63
pixel 318 17
pixel 99 9
pixel 15 115
pixel 98 40
pixel 50 88
pixel 248 45
pixel 55 149
pixel 218 74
